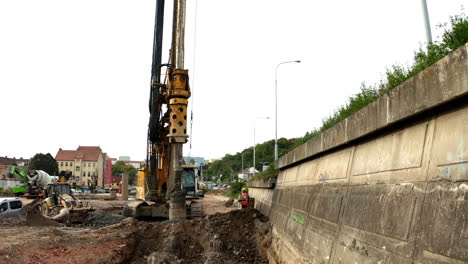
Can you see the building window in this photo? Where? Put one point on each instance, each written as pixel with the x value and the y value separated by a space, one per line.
pixel 71 164
pixel 66 164
pixel 89 174
pixel 61 163
pixel 94 174
pixel 77 168
pixel 84 164
pixel 84 173
pixel 94 164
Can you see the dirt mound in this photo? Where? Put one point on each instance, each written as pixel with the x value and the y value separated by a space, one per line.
pixel 30 216
pixel 102 218
pixel 235 237
pixel 35 218
pixel 218 191
pixel 229 202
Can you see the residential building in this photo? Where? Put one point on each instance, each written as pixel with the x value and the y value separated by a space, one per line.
pixel 85 165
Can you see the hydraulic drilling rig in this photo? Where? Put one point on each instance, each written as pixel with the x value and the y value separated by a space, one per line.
pixel 160 180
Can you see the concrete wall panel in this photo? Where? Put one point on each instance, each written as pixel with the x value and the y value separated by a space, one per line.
pixel 334 136
pixel 317 246
pixel 329 169
pixel 444 80
pixel 314 145
pixel 444 224
pixel 368 119
pixel 400 153
pixel 325 202
pixel 388 210
pixel 450 155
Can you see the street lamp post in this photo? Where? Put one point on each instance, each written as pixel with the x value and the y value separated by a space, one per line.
pixel 427 24
pixel 276 104
pixel 242 168
pixel 255 124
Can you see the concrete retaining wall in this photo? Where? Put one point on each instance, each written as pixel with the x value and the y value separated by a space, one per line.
pixel 380 187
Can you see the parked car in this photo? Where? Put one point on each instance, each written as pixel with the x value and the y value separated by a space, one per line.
pixel 100 191
pixel 10 207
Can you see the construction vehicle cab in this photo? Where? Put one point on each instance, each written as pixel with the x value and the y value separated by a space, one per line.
pixel 189 181
pixel 60 203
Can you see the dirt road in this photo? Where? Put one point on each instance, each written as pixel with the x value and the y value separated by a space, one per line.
pixel 214 203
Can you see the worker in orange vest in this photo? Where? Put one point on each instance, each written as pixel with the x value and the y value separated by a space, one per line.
pixel 244 198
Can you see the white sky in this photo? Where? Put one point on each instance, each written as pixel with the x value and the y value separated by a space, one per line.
pixel 77 72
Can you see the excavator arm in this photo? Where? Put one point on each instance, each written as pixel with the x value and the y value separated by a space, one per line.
pixel 15 170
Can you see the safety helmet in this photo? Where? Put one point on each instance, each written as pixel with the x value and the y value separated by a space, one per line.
pixel 244 189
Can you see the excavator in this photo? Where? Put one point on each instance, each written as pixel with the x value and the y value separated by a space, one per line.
pixel 159 185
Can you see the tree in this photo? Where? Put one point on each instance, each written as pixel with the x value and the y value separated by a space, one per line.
pixel 120 167
pixel 44 162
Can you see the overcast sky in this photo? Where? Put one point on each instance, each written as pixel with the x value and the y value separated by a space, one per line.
pixel 77 72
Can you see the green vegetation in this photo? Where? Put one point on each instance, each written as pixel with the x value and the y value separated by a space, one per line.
pixel 120 167
pixel 453 37
pixel 455 34
pixel 230 165
pixel 270 172
pixel 235 189
pixel 44 162
pixel 5 191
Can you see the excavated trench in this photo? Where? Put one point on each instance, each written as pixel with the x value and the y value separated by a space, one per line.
pixel 239 236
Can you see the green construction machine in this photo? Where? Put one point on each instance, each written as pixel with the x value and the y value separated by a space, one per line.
pixel 33 184
pixel 23 188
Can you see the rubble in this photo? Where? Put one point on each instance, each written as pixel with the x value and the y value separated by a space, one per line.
pixel 102 218
pixel 229 202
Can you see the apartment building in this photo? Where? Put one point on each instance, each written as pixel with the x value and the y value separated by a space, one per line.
pixel 86 165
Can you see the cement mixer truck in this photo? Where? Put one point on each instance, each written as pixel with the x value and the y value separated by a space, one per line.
pixel 34 182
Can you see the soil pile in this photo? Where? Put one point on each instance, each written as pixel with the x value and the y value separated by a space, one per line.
pixel 102 218
pixel 229 202
pixel 237 237
pixel 218 191
pixel 240 236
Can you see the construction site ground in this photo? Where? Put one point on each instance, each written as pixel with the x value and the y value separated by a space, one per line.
pixel 223 235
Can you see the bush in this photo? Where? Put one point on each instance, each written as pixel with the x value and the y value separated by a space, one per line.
pixel 5 191
pixel 270 172
pixel 453 37
pixel 236 188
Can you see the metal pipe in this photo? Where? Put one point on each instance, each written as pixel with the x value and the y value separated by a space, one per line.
pixel 154 99
pixel 427 25
pixel 178 34
pixel 177 195
pixel 157 42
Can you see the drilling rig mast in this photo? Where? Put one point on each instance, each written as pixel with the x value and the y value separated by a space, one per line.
pixel 160 180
